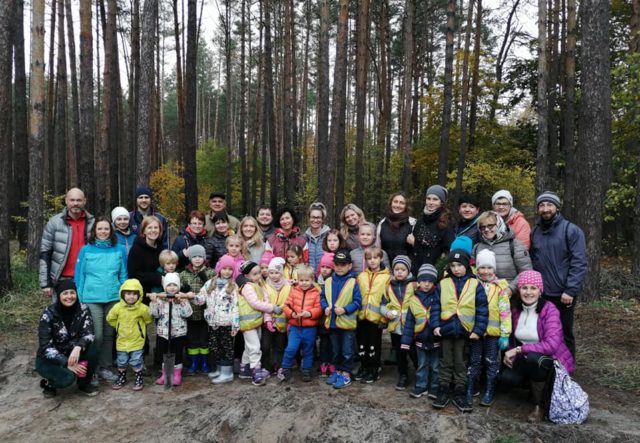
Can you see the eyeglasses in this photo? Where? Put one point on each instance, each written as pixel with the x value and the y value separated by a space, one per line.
pixel 501 204
pixel 487 227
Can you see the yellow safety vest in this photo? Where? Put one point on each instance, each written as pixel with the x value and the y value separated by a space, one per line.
pixel 290 273
pixel 463 305
pixel 346 321
pixel 372 286
pixel 493 297
pixel 420 314
pixel 278 298
pixel 394 304
pixel 249 318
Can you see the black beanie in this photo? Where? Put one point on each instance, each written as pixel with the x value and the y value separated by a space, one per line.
pixel 65 285
pixel 465 197
pixel 460 256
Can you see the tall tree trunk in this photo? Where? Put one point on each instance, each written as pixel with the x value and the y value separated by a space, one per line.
pixel 326 176
pixel 287 108
pixel 36 133
pixel 634 48
pixel 147 76
pixel 228 102
pixel 553 63
pixel 475 78
pixel 338 113
pixel 7 15
pixel 242 136
pixel 86 177
pixel 405 137
pixel 384 98
pixel 129 165
pixel 443 156
pixel 594 135
pixel 21 136
pixel 362 65
pixel 268 112
pixel 464 102
pixel 542 155
pixel 304 102
pixel 189 153
pixel 569 111
pixel 51 105
pixel 60 179
pixel 75 104
pixel 175 154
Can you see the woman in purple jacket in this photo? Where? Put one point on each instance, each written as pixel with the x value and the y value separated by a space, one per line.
pixel 536 341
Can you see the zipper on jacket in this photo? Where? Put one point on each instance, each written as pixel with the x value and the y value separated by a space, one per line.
pixel 304 295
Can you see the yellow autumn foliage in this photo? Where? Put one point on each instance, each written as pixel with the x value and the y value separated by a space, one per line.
pixel 168 192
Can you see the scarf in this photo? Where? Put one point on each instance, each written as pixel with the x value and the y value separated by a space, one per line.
pixel 397 219
pixel 282 235
pixel 103 243
pixel 277 286
pixel 430 217
pixel 188 231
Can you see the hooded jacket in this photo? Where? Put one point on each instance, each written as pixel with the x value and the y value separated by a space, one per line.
pixel 130 321
pixel 520 227
pixel 135 220
pixel 125 239
pixel 420 306
pixel 193 281
pixel 100 270
pixel 279 242
pixel 337 282
pixel 314 244
pixel 185 239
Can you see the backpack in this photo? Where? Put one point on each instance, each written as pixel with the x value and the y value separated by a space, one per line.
pixel 569 404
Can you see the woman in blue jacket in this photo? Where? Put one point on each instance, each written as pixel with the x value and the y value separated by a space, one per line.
pixel 100 271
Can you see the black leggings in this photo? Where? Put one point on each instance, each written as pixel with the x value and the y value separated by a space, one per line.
pixel 533 367
pixel 177 347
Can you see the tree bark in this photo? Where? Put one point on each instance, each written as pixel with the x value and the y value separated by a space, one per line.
pixel 242 136
pixel 405 136
pixel 634 49
pixel 326 176
pixel 443 157
pixel 60 178
pixel 129 165
pixel 542 155
pixel 51 105
pixel 384 98
pixel 175 153
pixel 268 112
pixel 569 111
pixel 362 65
pixel 86 177
pixel 189 153
pixel 475 77
pixel 288 98
pixel 75 104
pixel 594 135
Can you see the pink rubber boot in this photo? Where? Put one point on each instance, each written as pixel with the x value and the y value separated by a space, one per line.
pixel 177 376
pixel 160 380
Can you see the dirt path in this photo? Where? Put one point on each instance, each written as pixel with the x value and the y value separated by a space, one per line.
pixel 198 411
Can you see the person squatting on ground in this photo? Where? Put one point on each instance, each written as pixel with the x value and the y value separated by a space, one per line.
pixel 460 318
pixel 220 294
pixel 418 333
pixel 180 311
pixel 372 284
pixel 340 303
pixel 130 317
pixel 303 310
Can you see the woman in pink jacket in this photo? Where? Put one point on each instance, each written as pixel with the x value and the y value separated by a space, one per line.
pixel 536 341
pixel 502 202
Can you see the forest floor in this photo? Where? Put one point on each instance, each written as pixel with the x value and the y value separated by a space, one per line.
pixel 608 369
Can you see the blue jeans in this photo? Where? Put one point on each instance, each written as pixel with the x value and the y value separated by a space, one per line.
pixel 134 359
pixel 305 337
pixel 343 348
pixel 428 372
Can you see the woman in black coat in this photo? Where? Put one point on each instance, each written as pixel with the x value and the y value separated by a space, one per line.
pixel 143 261
pixel 395 227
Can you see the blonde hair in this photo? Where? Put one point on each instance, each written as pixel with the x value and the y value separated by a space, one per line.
pixel 344 227
pixel 243 245
pixel 168 257
pixel 486 216
pixel 257 237
pixel 229 288
pixel 373 251
pixel 304 270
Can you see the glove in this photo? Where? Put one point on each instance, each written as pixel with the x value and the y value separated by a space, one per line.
pixel 277 310
pixel 270 327
pixel 503 343
pixel 405 347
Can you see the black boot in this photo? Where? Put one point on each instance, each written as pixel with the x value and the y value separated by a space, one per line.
pixel 489 392
pixel 47 390
pixel 442 399
pixel 461 401
pixel 403 382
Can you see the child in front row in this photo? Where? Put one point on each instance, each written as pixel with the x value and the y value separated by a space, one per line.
pixel 303 310
pixel 220 294
pixel 130 317
pixel 326 267
pixel 419 333
pixel 340 303
pixel 460 318
pixel 373 283
pixel 181 310
pixel 395 306
pixel 498 329
pixel 274 333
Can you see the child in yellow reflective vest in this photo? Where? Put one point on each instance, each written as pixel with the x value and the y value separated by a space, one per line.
pixel 461 317
pixel 340 302
pixel 498 329
pixel 373 283
pixel 274 333
pixel 326 270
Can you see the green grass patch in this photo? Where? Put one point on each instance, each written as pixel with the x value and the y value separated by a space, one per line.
pixel 510 437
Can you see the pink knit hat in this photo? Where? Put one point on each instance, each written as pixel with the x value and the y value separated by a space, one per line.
pixel 226 261
pixel 327 260
pixel 266 258
pixel 531 278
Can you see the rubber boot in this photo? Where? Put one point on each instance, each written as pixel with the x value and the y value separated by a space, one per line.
pixel 470 390
pixel 204 363
pixel 138 384
pixel 489 392
pixel 177 375
pixel 160 380
pixel 195 360
pixel 537 413
pixel 226 375
pixel 216 373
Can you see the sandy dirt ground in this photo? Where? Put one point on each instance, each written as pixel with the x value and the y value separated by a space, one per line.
pixel 199 411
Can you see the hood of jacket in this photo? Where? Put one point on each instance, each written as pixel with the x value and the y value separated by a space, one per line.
pixel 323 230
pixel 133 284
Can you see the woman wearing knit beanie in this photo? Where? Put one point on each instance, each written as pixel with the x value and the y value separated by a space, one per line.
pixel 502 202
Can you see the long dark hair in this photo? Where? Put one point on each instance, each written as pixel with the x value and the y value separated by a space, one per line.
pixel 517 303
pixel 112 233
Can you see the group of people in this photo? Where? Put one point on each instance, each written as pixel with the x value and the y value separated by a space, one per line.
pixel 259 296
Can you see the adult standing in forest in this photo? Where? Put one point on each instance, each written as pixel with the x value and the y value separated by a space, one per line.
pixel 218 205
pixel 143 262
pixel 316 232
pixel 558 252
pixel 432 233
pixel 502 202
pixel 264 215
pixel 468 210
pixel 64 235
pixel 252 235
pixel 351 218
pixel 512 257
pixel 144 208
pixel 395 227
pixel 193 234
pixel 286 233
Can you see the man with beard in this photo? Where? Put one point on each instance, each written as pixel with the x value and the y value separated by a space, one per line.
pixel 218 205
pixel 558 252
pixel 264 215
pixel 145 208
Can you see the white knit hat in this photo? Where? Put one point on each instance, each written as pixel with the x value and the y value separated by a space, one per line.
pixel 119 211
pixel 487 258
pixel 502 193
pixel 277 264
pixel 171 277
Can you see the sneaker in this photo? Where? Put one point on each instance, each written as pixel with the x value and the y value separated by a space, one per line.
pixel 121 381
pixel 138 383
pixel 362 372
pixel 306 375
pixel 107 375
pixel 402 383
pixel 342 381
pixel 88 390
pixel 418 392
pixel 371 377
pixel 245 372
pixel 442 399
pixel 324 369
pixel 461 402
pixel 47 390
pixel 284 375
pixel 259 376
pixel 433 394
pixel 331 379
